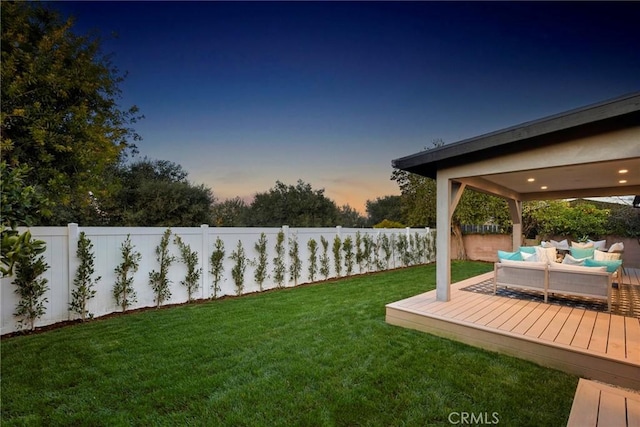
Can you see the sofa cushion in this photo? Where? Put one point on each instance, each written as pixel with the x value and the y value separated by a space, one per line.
pixel 606 256
pixel 536 264
pixel 582 252
pixel 611 265
pixel 513 256
pixel 576 268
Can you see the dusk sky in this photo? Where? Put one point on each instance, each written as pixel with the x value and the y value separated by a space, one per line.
pixel 242 94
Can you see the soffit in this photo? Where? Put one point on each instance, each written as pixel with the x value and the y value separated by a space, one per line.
pixel 588 179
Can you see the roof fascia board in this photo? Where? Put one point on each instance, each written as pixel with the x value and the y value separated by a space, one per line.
pixel 555 123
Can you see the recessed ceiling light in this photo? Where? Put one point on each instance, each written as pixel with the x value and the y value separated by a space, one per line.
pixel 531 179
pixel 544 187
pixel 623 181
pixel 623 171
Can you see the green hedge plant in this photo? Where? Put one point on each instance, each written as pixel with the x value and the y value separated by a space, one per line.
pixel 324 258
pixel 295 266
pixel 84 282
pixel 30 287
pixel 279 269
pixel 123 290
pixel 261 263
pixel 188 257
pixel 216 263
pixel 239 267
pixel 159 280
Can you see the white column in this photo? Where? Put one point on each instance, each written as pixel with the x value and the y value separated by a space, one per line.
pixel 515 209
pixel 447 198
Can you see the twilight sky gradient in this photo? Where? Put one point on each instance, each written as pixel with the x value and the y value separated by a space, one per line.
pixel 242 94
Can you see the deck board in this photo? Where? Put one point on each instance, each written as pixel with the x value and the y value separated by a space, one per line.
pixel 556 324
pixel 632 335
pixel 583 334
pixel 600 333
pixel 596 345
pixel 570 327
pixel 597 404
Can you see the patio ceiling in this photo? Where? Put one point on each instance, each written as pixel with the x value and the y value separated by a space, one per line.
pixel 610 178
pixel 551 178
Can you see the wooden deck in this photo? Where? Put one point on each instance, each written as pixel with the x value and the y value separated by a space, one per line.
pixel 591 344
pixel 597 404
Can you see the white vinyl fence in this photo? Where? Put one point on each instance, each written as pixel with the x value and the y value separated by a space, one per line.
pixel 410 246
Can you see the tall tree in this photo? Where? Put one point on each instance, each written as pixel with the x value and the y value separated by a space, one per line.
pixel 60 114
pixel 296 206
pixel 157 193
pixel 230 213
pixel 349 217
pixel 387 207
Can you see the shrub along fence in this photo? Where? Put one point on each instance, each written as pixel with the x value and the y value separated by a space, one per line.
pixel 224 261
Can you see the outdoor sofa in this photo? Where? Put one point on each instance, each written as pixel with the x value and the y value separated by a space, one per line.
pixel 583 269
pixel 552 278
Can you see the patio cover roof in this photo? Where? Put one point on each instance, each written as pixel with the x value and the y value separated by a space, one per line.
pixel 569 179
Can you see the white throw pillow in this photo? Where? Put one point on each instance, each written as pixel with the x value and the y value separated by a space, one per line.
pixel 617 247
pixel 605 256
pixel 582 245
pixel 569 260
pixel 546 244
pixel 547 255
pixel 600 244
pixel 529 257
pixel 576 268
pixel 562 244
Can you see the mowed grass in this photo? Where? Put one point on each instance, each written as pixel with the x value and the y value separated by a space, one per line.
pixel 319 355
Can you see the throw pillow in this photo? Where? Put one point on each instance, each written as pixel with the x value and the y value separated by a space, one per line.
pixel 562 244
pixel 547 255
pixel 582 252
pixel 528 249
pixel 569 260
pixel 513 256
pixel 528 257
pixel 606 256
pixel 581 245
pixel 600 244
pixel 611 266
pixel 617 247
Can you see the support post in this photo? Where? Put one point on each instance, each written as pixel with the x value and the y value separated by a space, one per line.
pixel 447 197
pixel 515 209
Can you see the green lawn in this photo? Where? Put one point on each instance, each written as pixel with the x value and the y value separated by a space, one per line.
pixel 318 355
